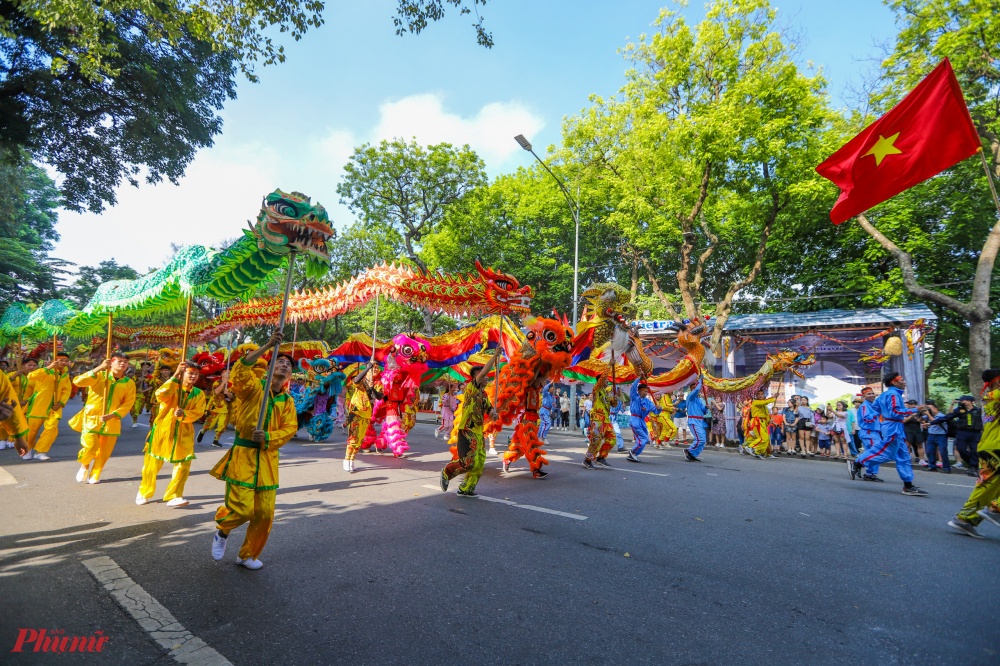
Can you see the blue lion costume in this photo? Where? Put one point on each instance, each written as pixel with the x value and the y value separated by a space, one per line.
pixel 319 399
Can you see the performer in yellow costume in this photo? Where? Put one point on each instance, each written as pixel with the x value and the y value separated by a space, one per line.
pixel 23 388
pixel 218 407
pixel 161 377
pixel 757 438
pixel 362 392
pixel 13 425
pixel 44 410
pixel 109 399
pixel 171 437
pixel 601 434
pixel 984 502
pixel 665 428
pixel 250 467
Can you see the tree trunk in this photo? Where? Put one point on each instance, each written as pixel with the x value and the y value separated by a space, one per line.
pixel 635 279
pixel 664 301
pixel 977 311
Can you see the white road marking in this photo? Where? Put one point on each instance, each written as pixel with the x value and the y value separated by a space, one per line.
pixel 957 485
pixel 710 474
pixel 529 507
pixel 6 478
pixel 804 514
pixel 183 646
pixel 617 469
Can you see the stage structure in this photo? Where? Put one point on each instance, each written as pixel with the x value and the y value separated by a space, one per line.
pixel 848 344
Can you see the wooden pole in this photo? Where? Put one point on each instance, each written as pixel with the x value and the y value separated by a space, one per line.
pixel 375 329
pixel 274 352
pixel 20 350
pixel 107 352
pixel 55 346
pixel 496 385
pixel 295 337
pixel 187 329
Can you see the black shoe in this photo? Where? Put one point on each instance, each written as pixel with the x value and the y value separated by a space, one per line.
pixel 872 477
pixel 946 471
pixel 540 474
pixel 587 464
pixel 913 491
pixel 216 444
pixel 932 468
pixel 631 458
pixel 603 462
pixel 200 435
pixel 972 472
pixel 689 457
pixel 965 528
pixel 444 482
pixel 467 493
pixel 855 468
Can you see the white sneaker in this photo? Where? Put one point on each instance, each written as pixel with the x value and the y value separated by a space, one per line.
pixel 347 465
pixel 28 456
pixel 139 499
pixel 351 466
pixel 491 452
pixel 250 563
pixel 81 474
pixel 93 480
pixel 219 546
pixel 178 501
pixel 42 456
pixel 134 424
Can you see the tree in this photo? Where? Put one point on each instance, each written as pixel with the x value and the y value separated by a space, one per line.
pixel 710 144
pixel 406 190
pixel 106 91
pixel 968 33
pixel 27 227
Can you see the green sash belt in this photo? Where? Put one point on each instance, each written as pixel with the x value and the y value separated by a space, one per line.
pixel 248 443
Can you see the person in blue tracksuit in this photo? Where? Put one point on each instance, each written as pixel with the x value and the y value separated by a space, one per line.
pixel 869 429
pixel 891 445
pixel 697 410
pixel 641 407
pixel 549 403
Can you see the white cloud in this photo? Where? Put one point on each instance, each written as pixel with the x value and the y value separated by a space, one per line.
pixel 490 132
pixel 223 186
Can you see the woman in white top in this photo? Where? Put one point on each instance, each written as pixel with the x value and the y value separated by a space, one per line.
pixel 838 422
pixel 804 426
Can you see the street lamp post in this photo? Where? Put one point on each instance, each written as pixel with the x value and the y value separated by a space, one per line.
pixel 574 208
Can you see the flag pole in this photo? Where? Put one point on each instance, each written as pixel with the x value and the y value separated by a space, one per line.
pixel 107 351
pixel 20 349
pixel 187 328
pixel 374 329
pixel 989 179
pixel 274 352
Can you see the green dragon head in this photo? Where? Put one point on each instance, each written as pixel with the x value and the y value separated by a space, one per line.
pixel 290 222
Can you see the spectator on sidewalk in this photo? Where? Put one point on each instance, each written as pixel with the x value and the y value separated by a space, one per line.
pixel 837 418
pixel 776 431
pixel 968 429
pixel 914 432
pixel 805 423
pixel 937 439
pixel 823 429
pixel 564 409
pixel 718 436
pixel 852 427
pixel 680 417
pixel 790 417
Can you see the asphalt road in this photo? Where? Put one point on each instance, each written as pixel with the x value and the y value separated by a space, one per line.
pixel 731 561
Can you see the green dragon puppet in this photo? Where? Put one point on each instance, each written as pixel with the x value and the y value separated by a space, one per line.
pixel 286 223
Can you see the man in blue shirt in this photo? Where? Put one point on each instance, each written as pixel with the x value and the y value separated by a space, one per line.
pixel 696 410
pixel 892 446
pixel 680 418
pixel 641 407
pixel 937 439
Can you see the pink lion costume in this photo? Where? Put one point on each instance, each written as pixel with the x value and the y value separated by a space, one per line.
pixel 405 365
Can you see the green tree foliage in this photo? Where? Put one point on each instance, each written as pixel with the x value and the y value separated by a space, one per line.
pixel 709 146
pixel 27 229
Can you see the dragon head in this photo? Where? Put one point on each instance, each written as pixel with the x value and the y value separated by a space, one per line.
pixel 613 308
pixel 553 341
pixel 502 292
pixel 290 222
pixel 786 359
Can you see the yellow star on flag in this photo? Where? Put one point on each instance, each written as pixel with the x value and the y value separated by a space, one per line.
pixel 883 147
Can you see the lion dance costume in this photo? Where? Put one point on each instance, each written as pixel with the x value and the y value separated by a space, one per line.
pixel 545 353
pixel 405 366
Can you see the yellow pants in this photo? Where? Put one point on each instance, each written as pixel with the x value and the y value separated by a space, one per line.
pixel 48 435
pixel 97 448
pixel 242 505
pixel 217 421
pixel 151 467
pixel 34 425
pixel 758 438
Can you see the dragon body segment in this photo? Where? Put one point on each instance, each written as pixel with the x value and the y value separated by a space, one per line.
pixel 286 222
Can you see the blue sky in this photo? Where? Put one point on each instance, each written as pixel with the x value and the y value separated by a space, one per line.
pixel 354 81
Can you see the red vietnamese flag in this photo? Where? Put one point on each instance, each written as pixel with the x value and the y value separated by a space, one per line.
pixel 927 132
